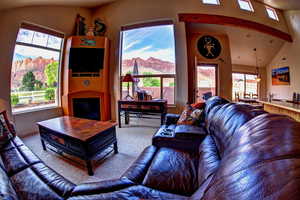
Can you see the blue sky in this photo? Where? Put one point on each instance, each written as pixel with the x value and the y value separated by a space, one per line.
pixel 155 41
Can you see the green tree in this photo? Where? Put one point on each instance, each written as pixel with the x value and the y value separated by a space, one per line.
pixel 50 94
pixel 172 84
pixel 51 73
pixel 28 81
pixel 14 99
pixel 149 81
pixel 38 85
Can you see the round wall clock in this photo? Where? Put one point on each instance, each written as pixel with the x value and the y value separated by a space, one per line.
pixel 209 47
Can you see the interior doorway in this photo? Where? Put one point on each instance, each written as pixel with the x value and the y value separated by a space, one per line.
pixel 206 81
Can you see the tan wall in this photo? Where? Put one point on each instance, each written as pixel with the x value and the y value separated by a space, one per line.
pixel 223 62
pixel 128 12
pixel 115 15
pixel 290 51
pixel 59 18
pixel 252 69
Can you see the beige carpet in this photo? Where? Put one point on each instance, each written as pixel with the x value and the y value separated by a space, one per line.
pixel 131 141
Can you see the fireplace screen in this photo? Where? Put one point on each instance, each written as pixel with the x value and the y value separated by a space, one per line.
pixel 88 108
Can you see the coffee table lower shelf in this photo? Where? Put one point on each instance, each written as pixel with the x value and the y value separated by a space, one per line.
pixel 88 163
pixel 85 150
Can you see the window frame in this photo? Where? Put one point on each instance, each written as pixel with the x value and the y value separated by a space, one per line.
pixel 161 76
pixel 273 11
pixel 48 31
pixel 249 3
pixel 245 82
pixel 217 4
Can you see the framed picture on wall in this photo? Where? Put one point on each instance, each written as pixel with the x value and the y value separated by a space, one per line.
pixel 281 76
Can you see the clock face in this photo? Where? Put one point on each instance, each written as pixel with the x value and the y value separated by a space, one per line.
pixel 209 47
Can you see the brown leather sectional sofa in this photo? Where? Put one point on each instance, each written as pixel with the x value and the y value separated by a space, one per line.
pixel 246 154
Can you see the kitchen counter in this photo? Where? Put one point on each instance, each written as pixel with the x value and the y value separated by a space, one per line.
pixel 282 107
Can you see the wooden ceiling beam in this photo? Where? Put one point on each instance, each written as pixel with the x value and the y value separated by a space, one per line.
pixel 235 22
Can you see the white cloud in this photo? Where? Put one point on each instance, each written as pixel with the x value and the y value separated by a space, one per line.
pixel 145 53
pixel 131 44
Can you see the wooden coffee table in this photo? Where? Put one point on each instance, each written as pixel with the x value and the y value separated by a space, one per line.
pixel 78 137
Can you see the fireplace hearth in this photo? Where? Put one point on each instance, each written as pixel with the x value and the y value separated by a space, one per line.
pixel 88 108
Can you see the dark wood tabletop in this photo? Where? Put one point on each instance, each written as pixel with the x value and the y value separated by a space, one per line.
pixel 79 128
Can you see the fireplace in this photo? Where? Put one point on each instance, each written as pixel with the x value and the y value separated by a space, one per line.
pixel 88 108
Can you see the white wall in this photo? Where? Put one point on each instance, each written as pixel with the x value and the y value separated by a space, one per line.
pixel 58 18
pixel 290 51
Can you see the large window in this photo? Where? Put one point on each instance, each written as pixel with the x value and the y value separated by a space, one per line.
pixel 244 86
pixel 35 68
pixel 148 54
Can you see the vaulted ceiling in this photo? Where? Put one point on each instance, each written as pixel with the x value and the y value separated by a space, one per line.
pixel 6 4
pixel 283 4
pixel 242 43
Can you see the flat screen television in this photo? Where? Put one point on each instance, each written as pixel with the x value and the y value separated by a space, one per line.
pixel 82 60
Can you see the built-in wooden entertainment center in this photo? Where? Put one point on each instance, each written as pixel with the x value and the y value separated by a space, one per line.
pixel 86 78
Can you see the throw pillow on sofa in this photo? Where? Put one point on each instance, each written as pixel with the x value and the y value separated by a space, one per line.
pixel 198 105
pixel 190 116
pixel 6 131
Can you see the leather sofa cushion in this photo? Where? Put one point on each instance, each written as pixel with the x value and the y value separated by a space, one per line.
pixel 225 120
pixel 7 191
pixel 102 187
pixel 52 179
pixel 137 171
pixel 189 132
pixel 211 103
pixel 138 192
pixel 14 142
pixel 17 159
pixel 17 141
pixel 209 159
pixel 2 164
pixel 173 171
pixel 29 185
pixel 262 161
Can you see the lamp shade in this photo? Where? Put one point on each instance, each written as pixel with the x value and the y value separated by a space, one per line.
pixel 128 78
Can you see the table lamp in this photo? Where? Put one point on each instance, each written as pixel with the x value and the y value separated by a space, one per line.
pixel 129 79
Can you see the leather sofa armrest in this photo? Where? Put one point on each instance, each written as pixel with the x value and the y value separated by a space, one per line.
pixel 171 119
pixel 101 187
pixel 137 171
pixel 189 132
pixel 186 141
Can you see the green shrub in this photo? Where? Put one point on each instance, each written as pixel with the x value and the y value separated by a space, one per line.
pixel 50 94
pixel 14 99
pixel 172 84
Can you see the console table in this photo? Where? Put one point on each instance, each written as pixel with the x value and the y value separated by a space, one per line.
pixel 149 107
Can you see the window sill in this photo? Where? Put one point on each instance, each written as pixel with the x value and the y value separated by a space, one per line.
pixel 36 109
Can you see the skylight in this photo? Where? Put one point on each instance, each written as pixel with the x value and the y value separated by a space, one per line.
pixel 214 2
pixel 272 13
pixel 246 5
